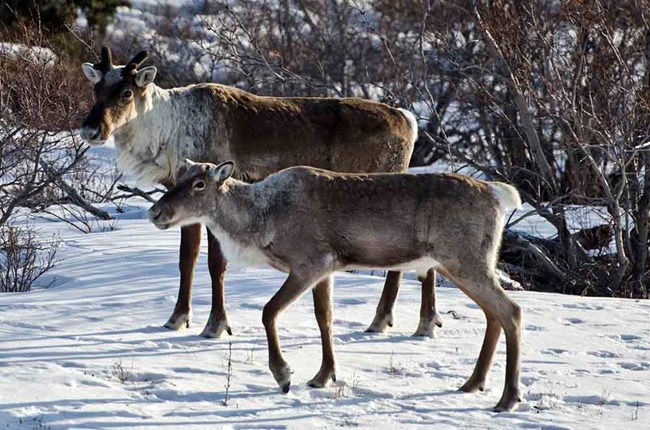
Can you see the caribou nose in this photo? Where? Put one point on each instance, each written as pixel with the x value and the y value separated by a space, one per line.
pixel 90 134
pixel 154 213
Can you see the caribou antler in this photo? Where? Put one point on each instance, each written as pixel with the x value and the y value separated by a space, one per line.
pixel 107 61
pixel 135 62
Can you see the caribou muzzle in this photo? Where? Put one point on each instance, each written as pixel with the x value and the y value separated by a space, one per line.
pixel 91 135
pixel 91 129
pixel 162 216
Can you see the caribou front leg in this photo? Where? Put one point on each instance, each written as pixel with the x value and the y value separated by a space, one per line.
pixel 429 316
pixel 189 252
pixel 218 322
pixel 323 310
pixel 384 314
pixel 295 285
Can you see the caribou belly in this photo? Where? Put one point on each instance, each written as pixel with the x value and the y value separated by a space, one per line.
pixel 420 265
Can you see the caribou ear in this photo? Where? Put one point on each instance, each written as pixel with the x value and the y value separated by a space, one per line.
pixel 91 73
pixel 145 76
pixel 189 163
pixel 222 172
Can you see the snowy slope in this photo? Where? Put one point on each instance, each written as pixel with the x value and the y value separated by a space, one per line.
pixel 63 351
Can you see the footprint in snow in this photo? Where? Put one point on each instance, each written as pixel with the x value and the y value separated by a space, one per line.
pixel 349 324
pixel 603 354
pixel 627 338
pixel 260 427
pixel 528 380
pixel 251 306
pixel 194 370
pixel 583 306
pixel 554 351
pixel 73 365
pixel 352 301
pixel 571 321
pixel 599 400
pixel 642 365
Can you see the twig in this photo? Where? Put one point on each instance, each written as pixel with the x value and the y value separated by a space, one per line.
pixel 137 192
pixel 228 375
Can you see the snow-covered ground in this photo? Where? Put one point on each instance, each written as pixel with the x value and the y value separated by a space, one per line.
pixel 90 352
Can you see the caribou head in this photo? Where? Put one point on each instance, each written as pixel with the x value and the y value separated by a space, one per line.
pixel 194 197
pixel 118 89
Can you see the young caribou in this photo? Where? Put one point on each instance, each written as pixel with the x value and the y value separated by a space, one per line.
pixel 310 223
pixel 155 129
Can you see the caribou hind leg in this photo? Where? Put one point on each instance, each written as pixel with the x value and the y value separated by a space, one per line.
pixel 217 323
pixel 429 316
pixel 384 314
pixel 189 252
pixel 323 309
pixel 501 313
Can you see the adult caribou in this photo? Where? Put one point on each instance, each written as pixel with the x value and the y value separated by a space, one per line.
pixel 156 129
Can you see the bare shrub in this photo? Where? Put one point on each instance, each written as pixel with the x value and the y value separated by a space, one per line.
pixel 121 373
pixel 24 259
pixel 228 383
pixel 38 112
pixel 394 367
pixel 44 166
pixel 560 108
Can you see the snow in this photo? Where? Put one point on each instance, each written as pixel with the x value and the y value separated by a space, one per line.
pixel 35 54
pixel 90 352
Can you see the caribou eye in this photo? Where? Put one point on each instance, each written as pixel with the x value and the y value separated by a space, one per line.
pixel 199 185
pixel 127 94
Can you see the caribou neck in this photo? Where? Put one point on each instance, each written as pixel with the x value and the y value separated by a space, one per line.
pixel 239 213
pixel 145 144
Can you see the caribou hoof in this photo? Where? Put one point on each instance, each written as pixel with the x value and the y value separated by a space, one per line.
pixel 282 376
pixel 427 326
pixel 472 386
pixel 216 329
pixel 509 401
pixel 381 323
pixel 322 378
pixel 179 321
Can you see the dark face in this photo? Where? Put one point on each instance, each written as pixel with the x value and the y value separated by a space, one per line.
pixel 115 98
pixel 118 89
pixel 190 201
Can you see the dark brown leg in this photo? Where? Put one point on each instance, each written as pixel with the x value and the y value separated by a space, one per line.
pixel 477 381
pixel 218 322
pixel 429 316
pixel 384 314
pixel 323 309
pixel 189 252
pixel 512 328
